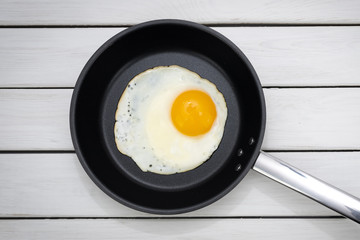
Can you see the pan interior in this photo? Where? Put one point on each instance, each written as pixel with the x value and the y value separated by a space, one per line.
pixel 105 77
pixel 205 68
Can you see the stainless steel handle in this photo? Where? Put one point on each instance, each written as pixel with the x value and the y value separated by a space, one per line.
pixel 308 185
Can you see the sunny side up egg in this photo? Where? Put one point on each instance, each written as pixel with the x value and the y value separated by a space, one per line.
pixel 169 120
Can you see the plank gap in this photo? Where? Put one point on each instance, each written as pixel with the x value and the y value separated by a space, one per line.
pixel 306 87
pixel 36 151
pixel 268 151
pixel 174 218
pixel 205 24
pixel 10 88
pixel 311 150
pixel 264 87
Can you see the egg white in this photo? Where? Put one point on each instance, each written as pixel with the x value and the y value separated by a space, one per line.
pixel 144 130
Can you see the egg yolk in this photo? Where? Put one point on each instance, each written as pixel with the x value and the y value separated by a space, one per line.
pixel 193 113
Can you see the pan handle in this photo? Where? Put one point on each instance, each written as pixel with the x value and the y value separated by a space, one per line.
pixel 308 185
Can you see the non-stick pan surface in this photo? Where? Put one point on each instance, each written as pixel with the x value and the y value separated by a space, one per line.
pixel 162 43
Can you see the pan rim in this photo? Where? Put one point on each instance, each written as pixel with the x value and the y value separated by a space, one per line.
pixel 81 78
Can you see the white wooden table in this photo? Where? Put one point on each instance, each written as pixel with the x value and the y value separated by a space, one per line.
pixel 307 56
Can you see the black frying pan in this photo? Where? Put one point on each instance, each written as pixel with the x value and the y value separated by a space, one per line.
pixel 214 57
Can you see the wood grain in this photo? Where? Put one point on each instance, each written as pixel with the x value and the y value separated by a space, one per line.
pixel 55 185
pixel 297 119
pixel 180 229
pixel 282 56
pixel 111 12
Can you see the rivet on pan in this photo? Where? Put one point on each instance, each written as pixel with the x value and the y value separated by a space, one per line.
pixel 240 152
pixel 251 141
pixel 238 167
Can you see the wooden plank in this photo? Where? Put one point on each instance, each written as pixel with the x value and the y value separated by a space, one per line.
pixel 55 185
pixel 35 119
pixel 297 119
pixel 180 229
pixel 47 57
pixel 303 56
pixel 130 12
pixel 282 56
pixel 312 119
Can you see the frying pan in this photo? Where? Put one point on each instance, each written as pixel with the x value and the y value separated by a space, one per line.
pixel 214 57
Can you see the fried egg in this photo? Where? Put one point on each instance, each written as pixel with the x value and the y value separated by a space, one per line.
pixel 169 120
